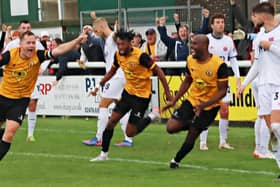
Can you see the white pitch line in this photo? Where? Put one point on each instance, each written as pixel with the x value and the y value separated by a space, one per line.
pixel 62 131
pixel 78 157
pixel 89 132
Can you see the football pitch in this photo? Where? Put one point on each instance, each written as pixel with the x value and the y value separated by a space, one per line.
pixel 58 158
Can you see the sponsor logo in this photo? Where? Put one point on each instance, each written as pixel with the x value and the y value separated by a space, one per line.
pixel 209 73
pixel 225 48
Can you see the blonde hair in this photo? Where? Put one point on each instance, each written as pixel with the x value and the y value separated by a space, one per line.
pixel 100 21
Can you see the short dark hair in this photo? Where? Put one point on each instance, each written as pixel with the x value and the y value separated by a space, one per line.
pixel 125 35
pixel 264 7
pixel 184 26
pixel 23 21
pixel 217 16
pixel 27 33
pixel 58 41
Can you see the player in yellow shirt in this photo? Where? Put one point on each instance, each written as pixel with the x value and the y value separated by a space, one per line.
pixel 20 71
pixel 206 82
pixel 138 68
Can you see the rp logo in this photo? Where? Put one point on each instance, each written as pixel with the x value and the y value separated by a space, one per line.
pixel 45 88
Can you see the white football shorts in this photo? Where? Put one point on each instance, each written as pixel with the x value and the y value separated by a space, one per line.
pixel 276 100
pixel 113 88
pixel 36 92
pixel 228 97
pixel 266 96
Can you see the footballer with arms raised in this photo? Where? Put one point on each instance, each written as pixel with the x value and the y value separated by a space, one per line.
pixel 20 73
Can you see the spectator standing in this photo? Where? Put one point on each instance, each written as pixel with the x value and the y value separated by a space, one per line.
pixel 154 46
pixel 205 29
pixel 3 36
pixel 45 39
pixel 62 60
pixel 137 40
pixel 244 47
pixel 177 49
pixel 92 51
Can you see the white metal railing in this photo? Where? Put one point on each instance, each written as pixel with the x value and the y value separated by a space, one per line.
pixel 163 64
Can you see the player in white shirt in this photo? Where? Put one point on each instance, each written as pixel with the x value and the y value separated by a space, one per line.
pixel 262 132
pixel 112 90
pixel 32 116
pixel 223 46
pixel 267 68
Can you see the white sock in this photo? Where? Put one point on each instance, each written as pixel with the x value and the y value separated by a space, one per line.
pixel 275 127
pixel 257 128
pixel 264 137
pixel 124 121
pixel 203 137
pixel 31 123
pixel 223 127
pixel 103 118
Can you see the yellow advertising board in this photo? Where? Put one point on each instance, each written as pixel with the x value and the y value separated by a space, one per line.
pixel 239 110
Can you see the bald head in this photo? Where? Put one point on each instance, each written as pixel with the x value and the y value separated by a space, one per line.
pixel 201 39
pixel 199 46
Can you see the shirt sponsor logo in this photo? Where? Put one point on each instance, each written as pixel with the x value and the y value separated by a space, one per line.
pixel 225 48
pixel 18 75
pixel 200 83
pixel 209 73
pixel 31 63
pixel 271 39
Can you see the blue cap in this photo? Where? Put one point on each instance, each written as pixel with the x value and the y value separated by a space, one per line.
pixel 150 31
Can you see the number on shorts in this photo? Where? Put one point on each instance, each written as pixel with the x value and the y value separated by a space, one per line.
pixel 106 87
pixel 276 96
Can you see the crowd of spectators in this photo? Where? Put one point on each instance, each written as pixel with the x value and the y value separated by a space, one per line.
pixel 156 42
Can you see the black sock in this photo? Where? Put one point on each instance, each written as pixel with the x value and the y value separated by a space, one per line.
pixel 142 124
pixel 188 144
pixel 4 148
pixel 1 133
pixel 106 139
pixel 185 149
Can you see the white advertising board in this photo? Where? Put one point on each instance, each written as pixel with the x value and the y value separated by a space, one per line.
pixel 71 96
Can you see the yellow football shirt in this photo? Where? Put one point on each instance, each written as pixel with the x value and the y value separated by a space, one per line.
pixel 20 75
pixel 137 68
pixel 205 79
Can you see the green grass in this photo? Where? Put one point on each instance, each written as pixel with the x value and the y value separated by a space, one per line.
pixel 58 158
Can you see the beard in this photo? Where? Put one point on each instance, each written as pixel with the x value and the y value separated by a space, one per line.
pixel 125 52
pixel 196 56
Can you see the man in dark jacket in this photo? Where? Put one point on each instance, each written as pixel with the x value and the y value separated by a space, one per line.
pixel 177 48
pixel 205 28
pixel 244 47
pixel 92 51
